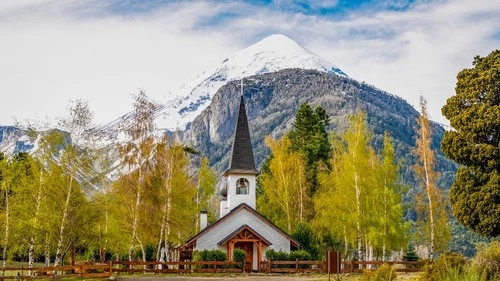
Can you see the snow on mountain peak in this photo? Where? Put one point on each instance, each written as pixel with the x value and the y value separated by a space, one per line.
pixel 273 53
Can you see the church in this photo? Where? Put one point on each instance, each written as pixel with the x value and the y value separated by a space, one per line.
pixel 239 224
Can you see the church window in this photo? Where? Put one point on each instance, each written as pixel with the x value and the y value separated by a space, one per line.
pixel 242 186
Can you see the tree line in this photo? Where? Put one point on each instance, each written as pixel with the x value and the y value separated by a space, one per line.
pixel 344 195
pixel 59 204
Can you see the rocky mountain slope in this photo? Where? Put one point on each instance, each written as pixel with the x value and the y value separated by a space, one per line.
pixel 273 53
pixel 272 100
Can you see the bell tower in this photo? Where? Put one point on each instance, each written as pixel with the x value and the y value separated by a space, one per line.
pixel 239 183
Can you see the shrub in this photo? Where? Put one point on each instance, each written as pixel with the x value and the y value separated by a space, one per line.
pixel 271 254
pixel 301 255
pixel 209 255
pixel 239 255
pixel 447 265
pixel 487 260
pixel 384 273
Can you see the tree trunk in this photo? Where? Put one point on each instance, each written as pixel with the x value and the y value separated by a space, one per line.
pixel 359 217
pixel 428 188
pixel 31 248
pixel 63 223
pixel 160 239
pixel 7 230
pixel 135 219
pixel 47 250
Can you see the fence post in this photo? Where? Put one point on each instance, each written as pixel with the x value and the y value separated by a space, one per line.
pixel 296 265
pixel 110 268
pixel 269 266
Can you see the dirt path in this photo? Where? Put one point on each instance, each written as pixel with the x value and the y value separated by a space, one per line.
pixel 252 277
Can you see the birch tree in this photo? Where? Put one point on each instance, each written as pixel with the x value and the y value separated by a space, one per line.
pixel 5 184
pixel 284 187
pixel 136 155
pixel 206 190
pixel 390 229
pixel 432 215
pixel 176 194
pixel 72 160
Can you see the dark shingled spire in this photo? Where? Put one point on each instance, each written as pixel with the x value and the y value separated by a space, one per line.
pixel 242 155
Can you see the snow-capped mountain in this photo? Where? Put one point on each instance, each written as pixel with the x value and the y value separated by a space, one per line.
pixel 271 54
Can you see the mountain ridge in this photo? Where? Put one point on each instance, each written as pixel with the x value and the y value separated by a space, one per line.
pixel 273 53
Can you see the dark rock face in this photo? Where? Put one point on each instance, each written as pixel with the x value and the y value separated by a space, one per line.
pixel 272 100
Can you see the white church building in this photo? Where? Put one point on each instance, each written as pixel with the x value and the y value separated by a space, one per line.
pixel 240 225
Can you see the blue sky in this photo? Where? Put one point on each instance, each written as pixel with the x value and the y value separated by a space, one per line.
pixel 103 51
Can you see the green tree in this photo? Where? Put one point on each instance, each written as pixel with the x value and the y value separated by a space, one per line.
pixel 474 113
pixel 175 192
pixel 344 199
pixel 305 235
pixel 390 230
pixel 283 195
pixel 206 188
pixel 73 161
pixel 432 219
pixel 359 200
pixel 136 154
pixel 310 138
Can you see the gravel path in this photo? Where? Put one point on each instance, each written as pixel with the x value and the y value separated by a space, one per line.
pixel 252 277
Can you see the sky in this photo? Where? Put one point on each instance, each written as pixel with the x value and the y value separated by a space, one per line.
pixel 103 52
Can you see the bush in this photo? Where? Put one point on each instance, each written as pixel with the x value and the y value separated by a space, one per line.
pixel 384 273
pixel 276 256
pixel 239 255
pixel 487 260
pixel 209 255
pixel 449 264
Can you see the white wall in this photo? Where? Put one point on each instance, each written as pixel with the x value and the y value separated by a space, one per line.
pixel 233 199
pixel 209 239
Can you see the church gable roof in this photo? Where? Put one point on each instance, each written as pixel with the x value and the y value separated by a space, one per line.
pixel 242 160
pixel 245 231
pixel 231 213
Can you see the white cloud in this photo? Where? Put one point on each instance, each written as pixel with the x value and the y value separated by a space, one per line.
pixel 53 51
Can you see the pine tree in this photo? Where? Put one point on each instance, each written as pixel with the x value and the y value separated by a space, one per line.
pixel 474 113
pixel 310 138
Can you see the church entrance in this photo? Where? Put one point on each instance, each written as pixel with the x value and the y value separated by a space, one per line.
pixel 248 248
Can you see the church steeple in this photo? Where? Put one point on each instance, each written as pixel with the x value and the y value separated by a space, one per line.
pixel 240 179
pixel 242 160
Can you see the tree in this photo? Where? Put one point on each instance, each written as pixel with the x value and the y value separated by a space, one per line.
pixel 73 161
pixel 344 198
pixel 359 200
pixel 474 113
pixel 432 217
pixel 283 196
pixel 6 186
pixel 137 154
pixel 206 187
pixel 390 232
pixel 310 138
pixel 176 193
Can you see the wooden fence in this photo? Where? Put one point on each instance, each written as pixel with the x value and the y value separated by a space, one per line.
pixel 107 269
pixel 56 272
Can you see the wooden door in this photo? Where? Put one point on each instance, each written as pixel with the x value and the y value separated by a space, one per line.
pixel 248 248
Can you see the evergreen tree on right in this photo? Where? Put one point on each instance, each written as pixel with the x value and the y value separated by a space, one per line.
pixel 310 138
pixel 474 113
